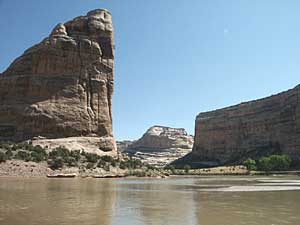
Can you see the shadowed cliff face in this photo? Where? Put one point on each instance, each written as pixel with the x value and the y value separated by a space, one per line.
pixel 63 86
pixel 252 129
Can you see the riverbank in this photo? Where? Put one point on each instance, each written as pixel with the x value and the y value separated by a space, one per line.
pixel 231 171
pixel 19 168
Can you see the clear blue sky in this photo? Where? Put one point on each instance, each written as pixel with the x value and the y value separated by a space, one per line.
pixel 175 58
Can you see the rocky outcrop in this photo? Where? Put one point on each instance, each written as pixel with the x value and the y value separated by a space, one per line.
pixel 161 145
pixel 253 129
pixel 63 86
pixel 123 145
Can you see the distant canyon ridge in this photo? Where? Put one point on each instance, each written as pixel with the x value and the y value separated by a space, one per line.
pixel 159 146
pixel 63 87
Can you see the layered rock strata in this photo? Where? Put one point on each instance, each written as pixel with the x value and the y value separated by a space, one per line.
pixel 249 130
pixel 63 86
pixel 160 145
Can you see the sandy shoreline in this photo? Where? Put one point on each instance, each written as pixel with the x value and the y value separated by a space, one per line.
pixel 18 168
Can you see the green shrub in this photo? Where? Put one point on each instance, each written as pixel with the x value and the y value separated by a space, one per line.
pixel 5 145
pixel 187 168
pixel 15 147
pixel 61 151
pixel 131 164
pixel 38 154
pixel 107 158
pixel 3 157
pixel 23 155
pixel 250 164
pixel 91 157
pixel 138 173
pixel 9 154
pixel 76 155
pixel 56 163
pixel 90 165
pixel 26 146
pixel 101 164
pixel 113 163
pixel 280 162
pixel 274 163
pixel 71 161
pixel 264 164
pixel 171 168
pixel 123 165
pixel 37 149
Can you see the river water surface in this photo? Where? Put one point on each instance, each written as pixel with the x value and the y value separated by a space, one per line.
pixel 174 201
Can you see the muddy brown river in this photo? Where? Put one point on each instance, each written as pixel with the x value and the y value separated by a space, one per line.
pixel 273 200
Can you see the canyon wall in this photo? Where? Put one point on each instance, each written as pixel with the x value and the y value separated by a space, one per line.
pixel 160 145
pixel 249 130
pixel 63 86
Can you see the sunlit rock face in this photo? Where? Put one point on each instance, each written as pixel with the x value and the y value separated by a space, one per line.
pixel 160 145
pixel 249 130
pixel 63 86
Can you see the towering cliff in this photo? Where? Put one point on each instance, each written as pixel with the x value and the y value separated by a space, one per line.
pixel 253 129
pixel 63 86
pixel 160 145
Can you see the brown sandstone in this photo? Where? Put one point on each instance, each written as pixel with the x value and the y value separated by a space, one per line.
pixel 63 86
pixel 249 130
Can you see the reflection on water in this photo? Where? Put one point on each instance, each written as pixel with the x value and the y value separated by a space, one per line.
pixel 50 202
pixel 176 201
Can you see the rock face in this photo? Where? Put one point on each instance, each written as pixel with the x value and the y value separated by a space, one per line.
pixel 63 86
pixel 161 145
pixel 253 129
pixel 123 145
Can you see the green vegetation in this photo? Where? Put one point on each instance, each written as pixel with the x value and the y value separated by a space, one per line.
pixel 56 163
pixel 92 158
pixel 187 168
pixel 3 157
pixel 274 163
pixel 22 155
pixel 250 164
pixel 171 168
pixel 271 163
pixel 61 157
pixel 90 165
pixel 131 164
pixel 9 154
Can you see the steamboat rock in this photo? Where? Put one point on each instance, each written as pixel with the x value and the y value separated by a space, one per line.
pixel 249 130
pixel 160 145
pixel 63 86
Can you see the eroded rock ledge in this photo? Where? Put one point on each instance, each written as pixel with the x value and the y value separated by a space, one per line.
pixel 63 86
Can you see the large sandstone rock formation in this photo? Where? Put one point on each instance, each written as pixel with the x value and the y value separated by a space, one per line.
pixel 253 129
pixel 63 86
pixel 160 145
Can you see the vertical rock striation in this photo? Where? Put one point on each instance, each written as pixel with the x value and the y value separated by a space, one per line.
pixel 63 86
pixel 253 129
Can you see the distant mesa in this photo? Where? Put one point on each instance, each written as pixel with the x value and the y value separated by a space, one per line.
pixel 63 86
pixel 159 145
pixel 249 130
